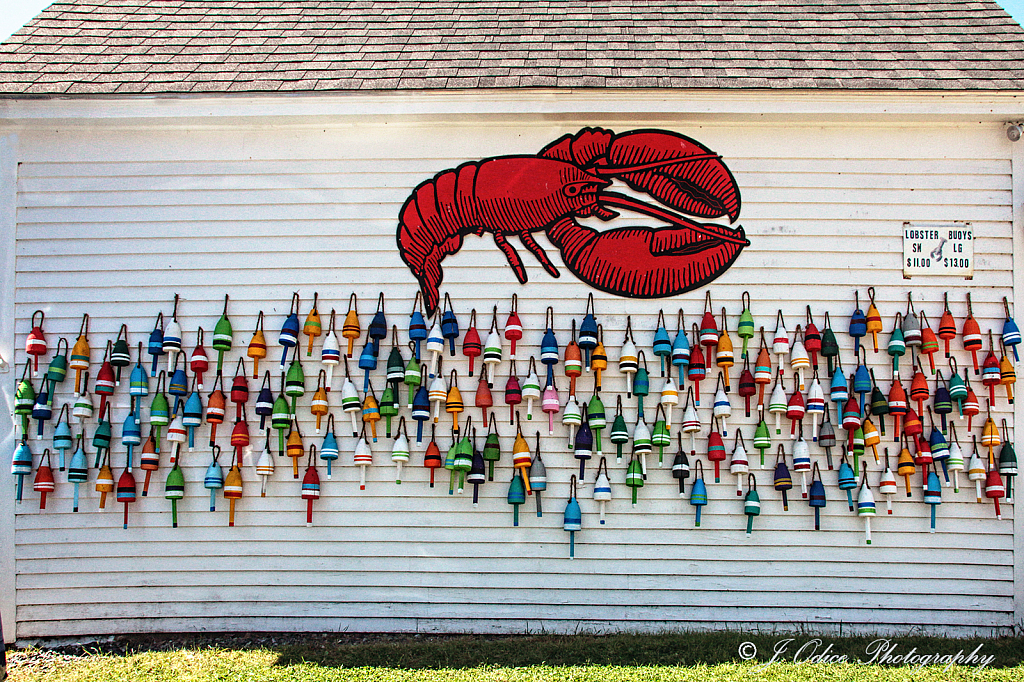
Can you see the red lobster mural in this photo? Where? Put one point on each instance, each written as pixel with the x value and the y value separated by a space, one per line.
pixel 518 195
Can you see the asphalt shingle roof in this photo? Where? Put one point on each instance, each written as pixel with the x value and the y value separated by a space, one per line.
pixel 90 47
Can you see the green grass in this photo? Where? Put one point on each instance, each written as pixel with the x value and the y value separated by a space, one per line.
pixel 613 658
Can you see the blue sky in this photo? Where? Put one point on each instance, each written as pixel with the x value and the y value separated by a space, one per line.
pixel 16 13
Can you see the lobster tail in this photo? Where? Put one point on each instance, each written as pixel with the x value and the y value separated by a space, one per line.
pixel 426 235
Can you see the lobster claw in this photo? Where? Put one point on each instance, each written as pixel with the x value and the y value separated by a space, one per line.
pixel 672 168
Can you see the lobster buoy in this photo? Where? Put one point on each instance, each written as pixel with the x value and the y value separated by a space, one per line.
pixel 573 517
pixel 174 490
pixel 932 495
pixel 435 346
pixel 642 383
pixel 319 407
pixel 762 439
pixel 257 349
pixel 777 403
pixel 887 484
pixel 126 494
pixel 847 479
pixel 493 349
pixel 897 347
pixel 463 460
pixel 817 499
pixel 400 450
pixel 449 323
pixel 708 333
pixel 905 466
pixel 192 415
pixel 762 371
pixel 697 369
pixel 955 463
pixel 160 410
pixel 21 466
pixel 350 402
pixel 478 471
pixel 176 434
pixel 815 404
pixel 78 467
pixel 516 494
pixel 629 362
pixel 871 436
pixel 472 347
pixel 990 375
pixel 802 461
pixel 725 357
pixel 80 354
pixel 1007 375
pixel 588 339
pixel 912 329
pixel 432 456
pixel 721 409
pixel 43 482
pixel 531 388
pixel 172 338
pixel 265 465
pixel 798 358
pixel 216 409
pixel 521 459
pixel 680 347
pixel 223 336
pixel 421 407
pixel 265 401
pixel 198 363
pixel 310 485
pixel 514 326
pixel 680 466
pixel 485 401
pixel 780 342
pixel 751 503
pixel 233 491
pixel 618 434
pixel 634 476
pixel 280 418
pixel 131 435
pixel 994 490
pixel 597 420
pixel 149 461
pixel 971 406
pixel 698 492
pixel 670 398
pixel 328 448
pixel 602 488
pixel 362 457
pixel 294 381
pixel 897 407
pixel 716 451
pixel 104 483
pixel 289 336
pixel 1011 332
pixel 35 343
pixel 858 324
pixel 548 346
pixel 929 342
pixel 739 465
pixel 138 387
pixel 371 412
pixel 745 327
pixel 101 440
pixel 939 446
pixel 62 439
pixel 662 345
pixel 42 412
pixel 388 407
pixel 583 445
pixel 660 436
pixel 513 393
pixel 312 327
pixel 330 352
pixel 538 473
pixel 155 346
pixel 1008 462
pixel 971 335
pixel 783 481
pixel 572 417
pixel 873 319
pixel 747 385
pixel 642 443
pixel 829 345
pixel 492 449
pixel 57 370
pixel 976 469
pixel 795 410
pixel 947 326
pixel 350 329
pixel 293 447
pixel 866 505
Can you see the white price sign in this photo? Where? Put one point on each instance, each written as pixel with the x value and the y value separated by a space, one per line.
pixel 938 249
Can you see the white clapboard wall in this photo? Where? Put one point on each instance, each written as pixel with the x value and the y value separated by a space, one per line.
pixel 114 223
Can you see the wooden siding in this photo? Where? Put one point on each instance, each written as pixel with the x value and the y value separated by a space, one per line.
pixel 115 222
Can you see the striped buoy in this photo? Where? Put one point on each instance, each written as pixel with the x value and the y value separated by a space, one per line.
pixel 79 360
pixel 289 336
pixel 265 465
pixel 319 407
pixel 362 457
pixel 911 327
pixel 873 319
pixel 572 520
pixel 905 466
pixel 1011 332
pixel 680 466
pixel 493 349
pixel 350 328
pixel 990 375
pixel 293 447
pixel 739 465
pixel 634 476
pixel 780 342
pixel 572 417
pixel 172 338
pixel 149 461
pixel 827 437
pixel 642 443
pixel 294 381
pixel 618 434
pixel 477 474
pixel 641 383
pixel 866 505
pixel 724 355
pixel 812 339
pixel 265 401
pixel 329 448
pixel 932 496
pixel 583 444
pixel 521 459
pixel 887 484
pixel 330 351
pixel 484 400
pixel 681 347
pixel 126 493
pixel 78 468
pixel 802 461
pixel 662 345
pixel 312 326
pixel 955 463
pixel 21 466
pixel 432 456
pixel 762 371
pixel 310 485
pixel 492 449
pixel 1008 462
pixel 35 342
pixel 514 326
pixel 531 388
pixel 897 407
pixel 716 451
pixel 745 326
pixel 817 499
pixel 597 420
pixel 847 479
pixel 138 387
pixel 698 492
pixel 538 473
pixel 994 490
pixel 762 439
pixel 104 482
pixel 44 482
pixel 472 346
pixel 155 346
pixel 548 347
pixel 783 481
pixel 400 450
pixel 751 503
pixel 449 324
pixel 198 363
pixel 929 342
pixel 971 335
pixel 602 488
pixel 516 494
pixel 708 332
pixel 722 408
pixel 697 369
pixel 257 349
pixel 588 332
pixel 629 362
pixel 223 336
pixel 57 370
pixel 62 439
pixel 858 324
pixel 421 409
pixel 233 491
pixel 660 436
pixel 378 327
pixel 174 490
pixel 747 386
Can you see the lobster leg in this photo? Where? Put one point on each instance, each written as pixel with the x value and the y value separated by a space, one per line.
pixel 513 258
pixel 530 243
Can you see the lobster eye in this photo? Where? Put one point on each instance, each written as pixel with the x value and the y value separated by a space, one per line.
pixel 573 189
